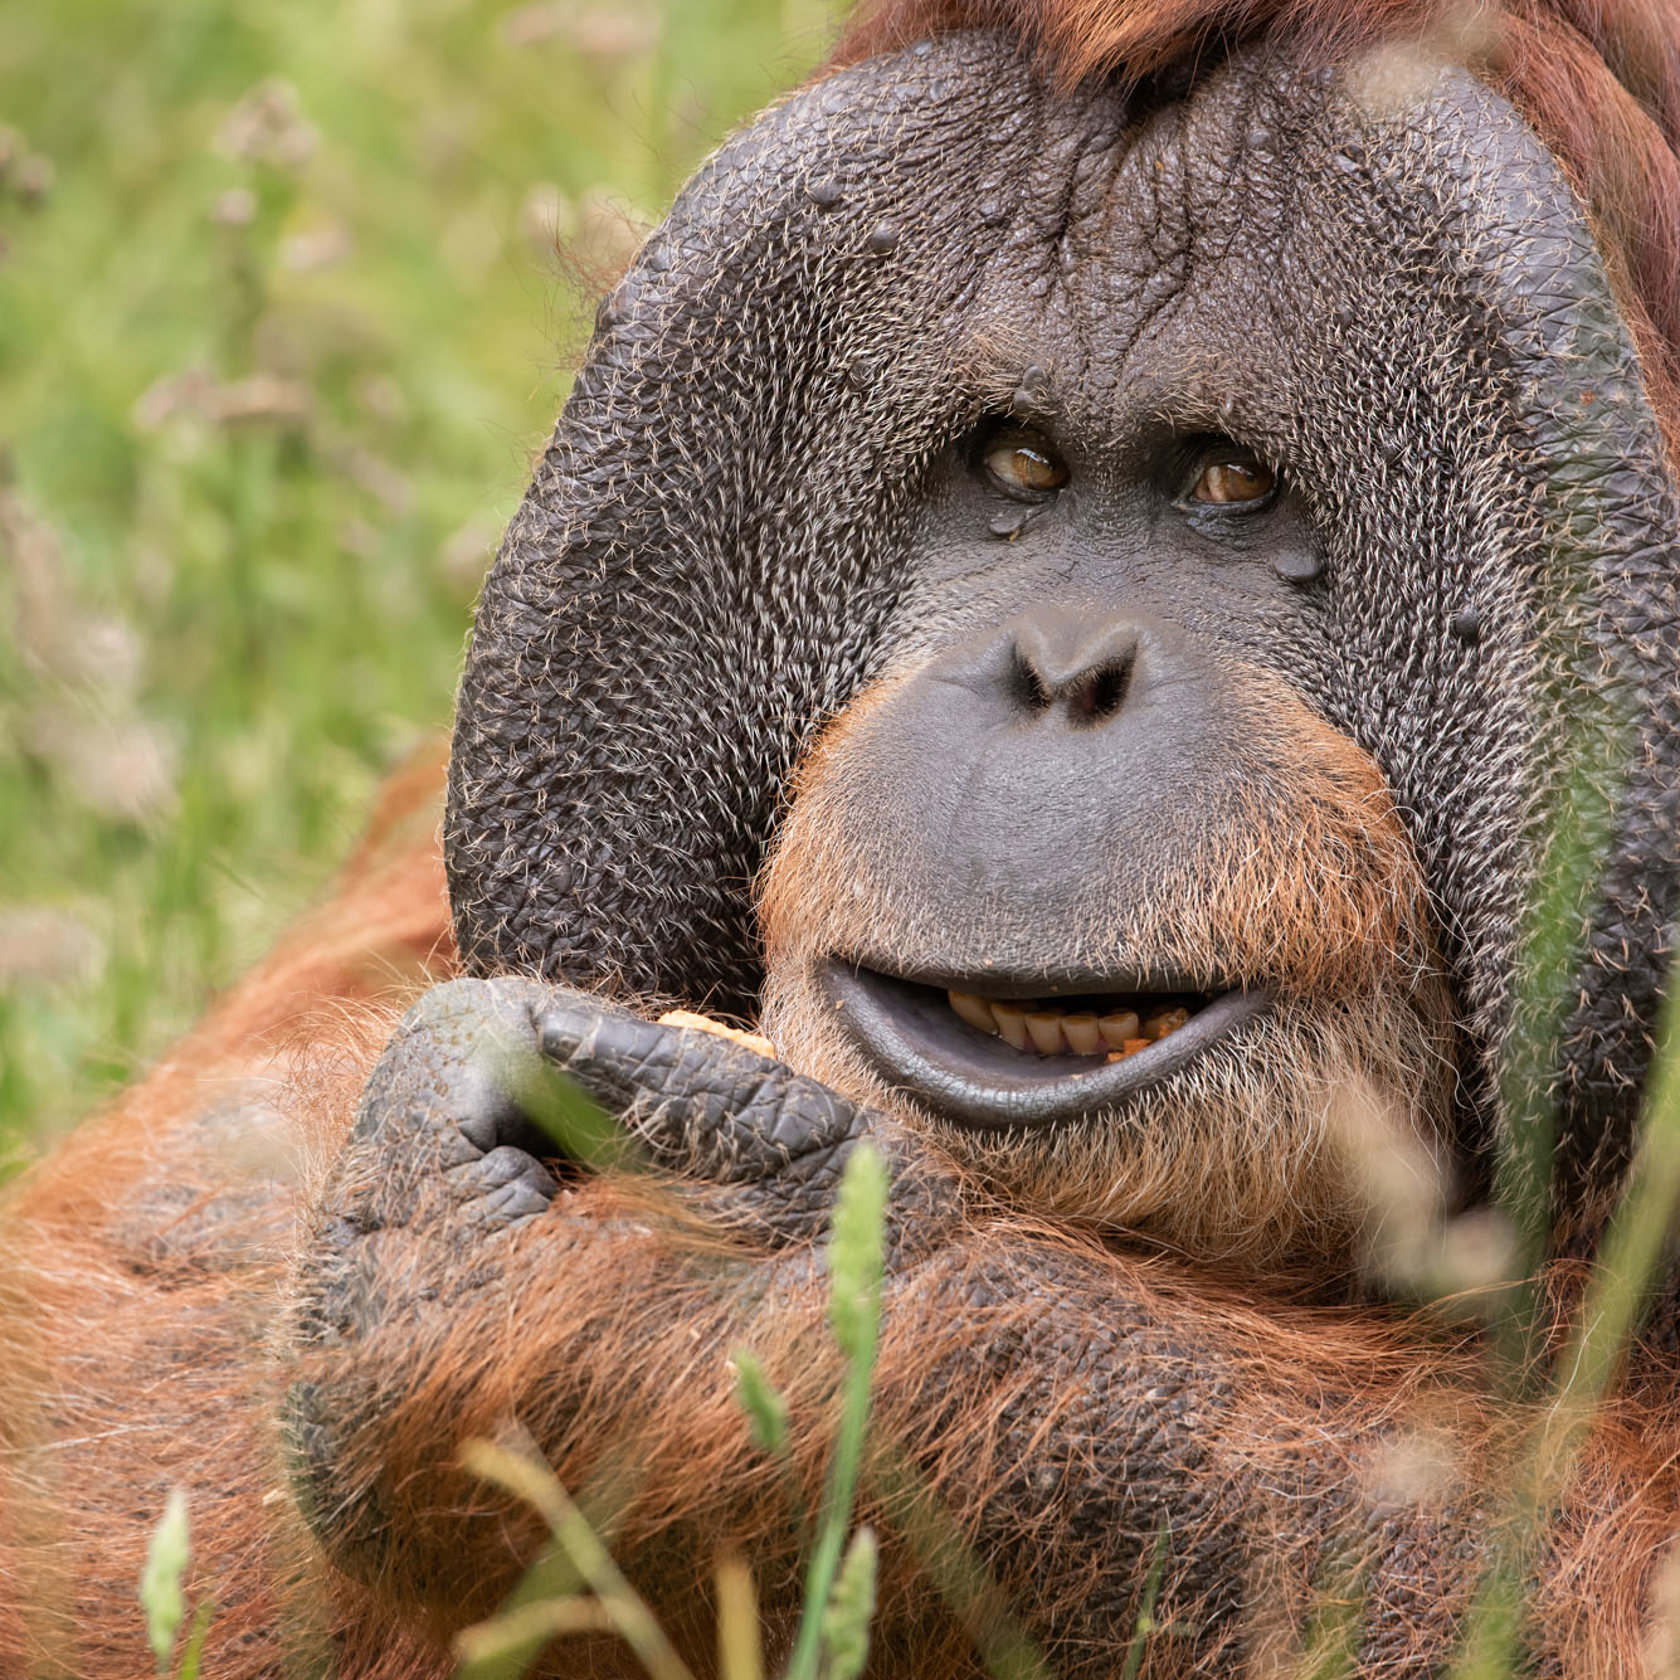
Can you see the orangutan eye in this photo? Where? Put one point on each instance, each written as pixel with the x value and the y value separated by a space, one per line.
pixel 1230 479
pixel 1022 462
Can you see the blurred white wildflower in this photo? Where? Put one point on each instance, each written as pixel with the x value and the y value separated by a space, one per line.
pixel 98 650
pixel 107 656
pixel 268 126
pixel 1662 1629
pixel 622 29
pixel 237 207
pixel 547 218
pixel 84 722
pixel 610 231
pixel 41 610
pixel 466 555
pixel 320 245
pixel 1478 1252
pixel 1395 74
pixel 121 766
pixel 196 393
pixel 1416 1467
pixel 43 942
pixel 1396 1177
pixel 1410 1243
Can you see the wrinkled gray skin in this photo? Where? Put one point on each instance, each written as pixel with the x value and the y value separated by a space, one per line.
pixel 1375 278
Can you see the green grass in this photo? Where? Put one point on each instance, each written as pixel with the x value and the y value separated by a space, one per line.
pixel 217 633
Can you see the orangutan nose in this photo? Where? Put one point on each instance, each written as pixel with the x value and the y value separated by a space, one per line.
pixel 1076 660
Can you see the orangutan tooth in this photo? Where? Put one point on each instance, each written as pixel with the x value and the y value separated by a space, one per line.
pixel 1082 1035
pixel 1118 1027
pixel 1046 1032
pixel 975 1010
pixel 1011 1023
pixel 1164 1021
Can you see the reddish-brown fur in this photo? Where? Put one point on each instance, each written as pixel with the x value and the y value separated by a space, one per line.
pixel 132 1316
pixel 133 1361
pixel 131 1344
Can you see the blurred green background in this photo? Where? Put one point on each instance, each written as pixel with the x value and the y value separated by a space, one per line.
pixel 289 291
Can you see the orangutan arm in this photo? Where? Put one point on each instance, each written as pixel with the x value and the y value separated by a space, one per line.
pixel 1067 1409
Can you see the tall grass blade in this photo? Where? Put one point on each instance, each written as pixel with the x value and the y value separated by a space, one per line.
pixel 856 1258
pixel 162 1590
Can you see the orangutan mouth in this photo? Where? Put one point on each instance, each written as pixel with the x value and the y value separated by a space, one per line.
pixel 1007 1052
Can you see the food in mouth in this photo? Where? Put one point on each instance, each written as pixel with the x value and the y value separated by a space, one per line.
pixel 755 1042
pixel 1114 1026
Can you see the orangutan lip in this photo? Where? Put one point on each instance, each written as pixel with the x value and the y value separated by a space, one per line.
pixel 910 1033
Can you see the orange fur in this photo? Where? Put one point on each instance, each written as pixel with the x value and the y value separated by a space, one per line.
pixel 140 1267
pixel 640 1315
pixel 140 1275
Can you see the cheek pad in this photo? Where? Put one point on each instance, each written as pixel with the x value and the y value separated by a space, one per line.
pixel 704 561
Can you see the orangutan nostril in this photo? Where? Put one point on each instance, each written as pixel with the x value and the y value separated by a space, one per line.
pixel 1097 696
pixel 1029 690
